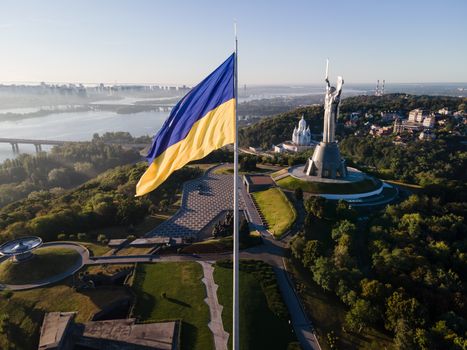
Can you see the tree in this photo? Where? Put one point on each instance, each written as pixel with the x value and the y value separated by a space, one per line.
pixel 343 227
pixel 244 231
pixel 297 245
pixel 361 315
pixel 102 238
pixel 412 224
pixel 344 212
pixel 372 290
pixel 409 309
pixel 404 336
pixel 299 194
pixel 248 163
pixel 342 253
pixel 60 177
pixel 315 205
pixel 311 252
pixel 324 273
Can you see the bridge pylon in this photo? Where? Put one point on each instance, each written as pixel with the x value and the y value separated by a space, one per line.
pixel 15 147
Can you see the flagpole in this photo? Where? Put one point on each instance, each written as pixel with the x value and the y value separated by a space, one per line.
pixel 235 303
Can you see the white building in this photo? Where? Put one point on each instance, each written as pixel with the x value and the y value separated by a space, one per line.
pixel 429 122
pixel 426 135
pixel 301 139
pixel 444 111
pixel 417 115
pixel 302 135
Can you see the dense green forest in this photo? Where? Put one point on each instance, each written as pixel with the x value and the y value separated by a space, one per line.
pixel 402 103
pixel 440 163
pixel 404 270
pixel 63 167
pixel 102 202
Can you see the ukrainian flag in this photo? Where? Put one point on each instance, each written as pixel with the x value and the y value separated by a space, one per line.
pixel 201 122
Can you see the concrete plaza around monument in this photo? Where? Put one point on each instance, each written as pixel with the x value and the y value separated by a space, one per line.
pixel 354 178
pixel 353 175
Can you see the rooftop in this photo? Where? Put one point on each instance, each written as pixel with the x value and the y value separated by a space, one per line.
pixel 259 180
pixel 150 240
pixel 159 335
pixel 59 331
pixel 54 328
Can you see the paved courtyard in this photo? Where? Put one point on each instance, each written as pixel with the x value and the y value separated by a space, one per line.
pixel 202 200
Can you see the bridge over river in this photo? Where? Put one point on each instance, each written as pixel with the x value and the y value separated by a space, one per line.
pixel 39 143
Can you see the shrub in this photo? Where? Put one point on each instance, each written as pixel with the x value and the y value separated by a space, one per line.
pixel 61 236
pixel 82 236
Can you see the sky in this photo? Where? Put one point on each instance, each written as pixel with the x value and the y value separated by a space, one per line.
pixel 280 42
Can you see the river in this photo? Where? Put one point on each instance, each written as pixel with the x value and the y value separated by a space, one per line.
pixel 77 126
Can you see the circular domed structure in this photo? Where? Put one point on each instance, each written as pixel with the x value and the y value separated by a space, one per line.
pixel 20 249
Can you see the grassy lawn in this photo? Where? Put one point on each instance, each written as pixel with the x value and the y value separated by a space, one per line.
pixel 96 249
pixel 107 269
pixel 46 262
pixel 292 183
pixel 278 173
pixel 327 314
pixel 263 324
pixel 184 299
pixel 202 166
pixel 277 210
pixel 230 171
pixel 133 251
pixel 25 310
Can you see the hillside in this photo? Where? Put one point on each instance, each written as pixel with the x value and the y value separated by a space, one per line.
pixel 107 200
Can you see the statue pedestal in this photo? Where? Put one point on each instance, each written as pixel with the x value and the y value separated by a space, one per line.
pixel 326 162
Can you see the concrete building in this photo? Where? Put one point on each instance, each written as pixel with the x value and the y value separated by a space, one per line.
pixel 426 135
pixel 429 122
pixel 444 111
pixel 376 130
pixel 60 332
pixel 417 115
pixel 404 125
pixel 255 183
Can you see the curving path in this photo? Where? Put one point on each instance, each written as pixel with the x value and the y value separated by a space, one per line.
pixel 83 258
pixel 216 325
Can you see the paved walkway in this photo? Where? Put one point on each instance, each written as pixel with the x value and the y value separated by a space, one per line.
pixel 203 199
pixel 83 258
pixel 273 252
pixel 216 325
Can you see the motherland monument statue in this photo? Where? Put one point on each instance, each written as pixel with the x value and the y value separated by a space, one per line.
pixel 326 161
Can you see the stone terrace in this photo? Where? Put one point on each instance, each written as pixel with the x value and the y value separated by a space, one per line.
pixel 202 200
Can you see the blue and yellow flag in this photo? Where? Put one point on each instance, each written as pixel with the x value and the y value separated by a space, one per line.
pixel 201 122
